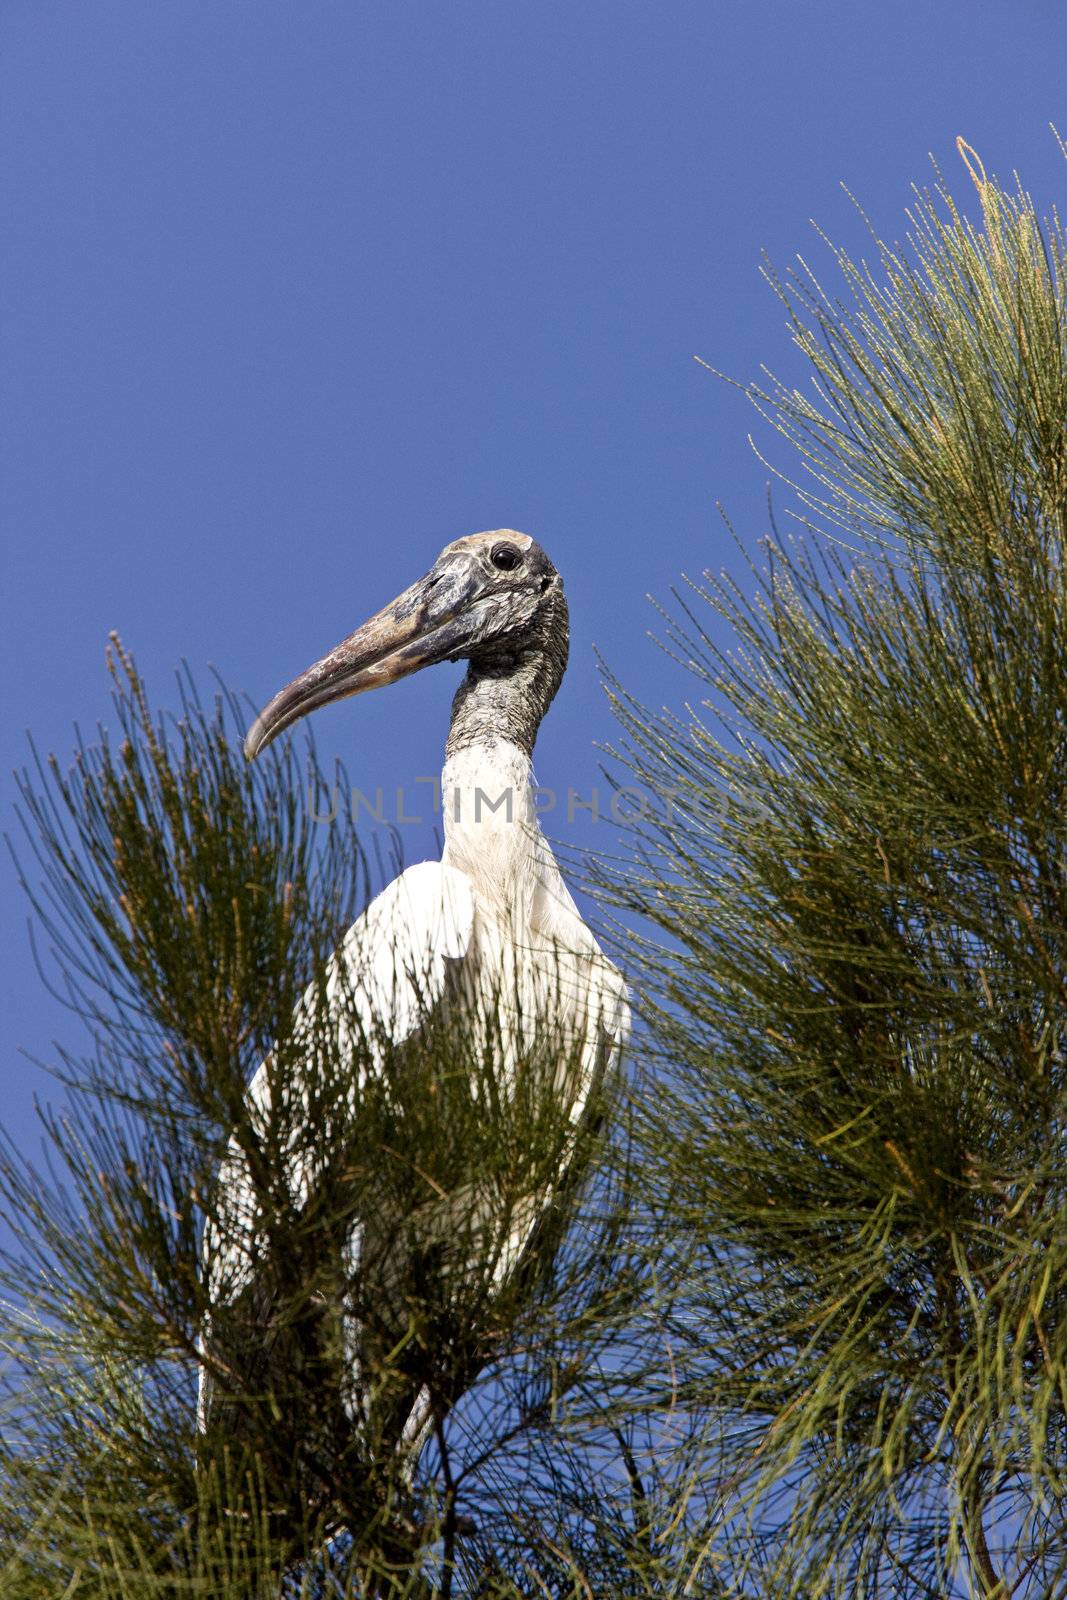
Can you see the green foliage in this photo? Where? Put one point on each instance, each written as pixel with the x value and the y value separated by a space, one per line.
pixel 182 1226
pixel 855 969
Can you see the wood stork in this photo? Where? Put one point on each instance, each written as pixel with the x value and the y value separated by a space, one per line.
pixel 493 917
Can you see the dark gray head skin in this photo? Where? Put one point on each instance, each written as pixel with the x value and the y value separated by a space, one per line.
pixel 512 678
pixel 492 599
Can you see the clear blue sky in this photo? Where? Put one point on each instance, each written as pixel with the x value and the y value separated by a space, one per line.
pixel 292 293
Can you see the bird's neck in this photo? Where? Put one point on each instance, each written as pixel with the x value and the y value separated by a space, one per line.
pixel 491 828
pixel 501 699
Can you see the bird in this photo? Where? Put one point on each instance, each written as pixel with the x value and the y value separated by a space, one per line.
pixel 489 931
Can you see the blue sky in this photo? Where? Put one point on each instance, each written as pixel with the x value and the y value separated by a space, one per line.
pixel 293 293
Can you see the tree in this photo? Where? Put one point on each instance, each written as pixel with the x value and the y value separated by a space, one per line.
pixel 192 904
pixel 854 964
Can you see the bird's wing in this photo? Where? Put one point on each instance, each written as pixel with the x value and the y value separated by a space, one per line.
pixel 390 969
pixel 394 959
pixel 388 973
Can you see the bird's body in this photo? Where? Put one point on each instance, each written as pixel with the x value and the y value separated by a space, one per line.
pixel 489 934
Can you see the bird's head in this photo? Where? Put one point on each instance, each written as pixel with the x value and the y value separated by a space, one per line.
pixel 490 598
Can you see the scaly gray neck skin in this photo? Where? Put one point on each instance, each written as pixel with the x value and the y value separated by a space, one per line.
pixel 511 684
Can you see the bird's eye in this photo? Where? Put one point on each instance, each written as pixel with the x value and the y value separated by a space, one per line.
pixel 505 557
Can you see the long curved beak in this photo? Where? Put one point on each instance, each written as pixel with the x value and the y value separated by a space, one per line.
pixel 429 622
